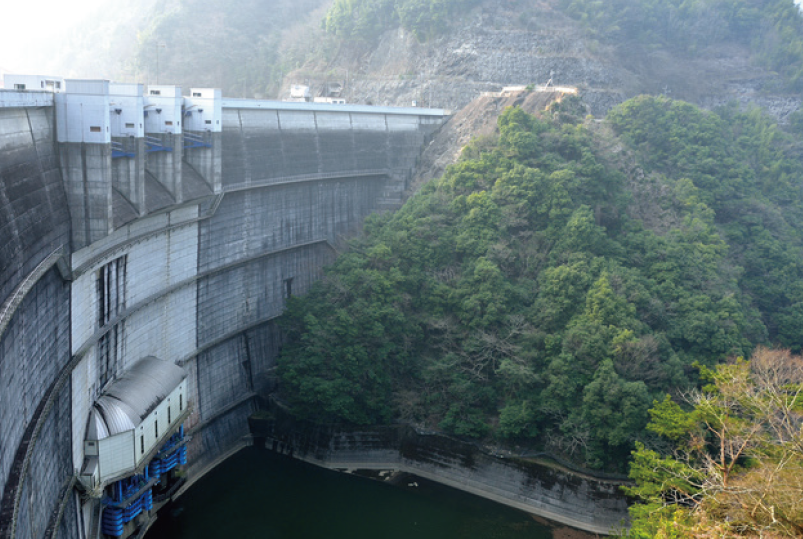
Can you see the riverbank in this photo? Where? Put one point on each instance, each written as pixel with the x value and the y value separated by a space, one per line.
pixel 594 505
pixel 413 482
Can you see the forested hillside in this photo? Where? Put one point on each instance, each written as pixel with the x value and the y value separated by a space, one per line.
pixel 366 19
pixel 245 48
pixel 448 51
pixel 773 29
pixel 559 278
pixel 238 47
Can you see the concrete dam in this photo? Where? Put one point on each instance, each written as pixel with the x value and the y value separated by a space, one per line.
pixel 149 242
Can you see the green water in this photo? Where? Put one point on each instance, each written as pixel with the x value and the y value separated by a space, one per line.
pixel 259 494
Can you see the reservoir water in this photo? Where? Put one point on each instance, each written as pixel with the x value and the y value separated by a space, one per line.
pixel 259 494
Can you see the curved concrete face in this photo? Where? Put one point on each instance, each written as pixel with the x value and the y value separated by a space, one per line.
pixel 34 217
pixel 183 245
pixel 34 315
pixel 34 353
pixel 269 147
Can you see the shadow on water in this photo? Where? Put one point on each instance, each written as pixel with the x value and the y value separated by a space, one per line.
pixel 259 494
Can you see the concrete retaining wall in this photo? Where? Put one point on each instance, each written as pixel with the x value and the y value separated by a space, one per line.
pixel 51 463
pixel 271 146
pixel 593 505
pixel 35 446
pixel 296 183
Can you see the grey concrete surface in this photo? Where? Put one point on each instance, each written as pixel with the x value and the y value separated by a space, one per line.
pixel 33 351
pixel 34 215
pixel 597 506
pixel 214 241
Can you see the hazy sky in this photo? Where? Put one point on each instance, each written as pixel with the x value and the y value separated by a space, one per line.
pixel 29 25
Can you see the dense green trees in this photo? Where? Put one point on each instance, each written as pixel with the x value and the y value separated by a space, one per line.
pixel 735 468
pixel 747 174
pixel 519 297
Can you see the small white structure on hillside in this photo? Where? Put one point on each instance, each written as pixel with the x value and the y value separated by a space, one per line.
pixel 332 100
pixel 299 93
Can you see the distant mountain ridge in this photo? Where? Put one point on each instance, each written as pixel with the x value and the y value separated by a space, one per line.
pixel 260 47
pixel 501 43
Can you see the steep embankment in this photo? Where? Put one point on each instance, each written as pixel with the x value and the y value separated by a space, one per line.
pixel 482 50
pixel 476 121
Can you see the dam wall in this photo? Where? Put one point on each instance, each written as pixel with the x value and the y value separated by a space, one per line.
pixel 177 242
pixel 34 313
pixel 34 216
pixel 297 181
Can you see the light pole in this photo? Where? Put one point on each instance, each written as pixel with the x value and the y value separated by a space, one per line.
pixel 245 83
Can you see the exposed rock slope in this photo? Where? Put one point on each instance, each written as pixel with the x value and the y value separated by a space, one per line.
pixel 475 120
pixel 499 44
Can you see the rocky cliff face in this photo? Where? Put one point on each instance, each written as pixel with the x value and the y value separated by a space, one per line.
pixel 496 45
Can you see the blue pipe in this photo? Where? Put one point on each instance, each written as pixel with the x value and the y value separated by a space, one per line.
pixel 113 521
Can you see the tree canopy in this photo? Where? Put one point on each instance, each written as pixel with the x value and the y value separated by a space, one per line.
pixel 522 296
pixel 735 463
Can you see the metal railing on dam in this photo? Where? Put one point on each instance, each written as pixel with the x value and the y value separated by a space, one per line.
pixel 266 104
